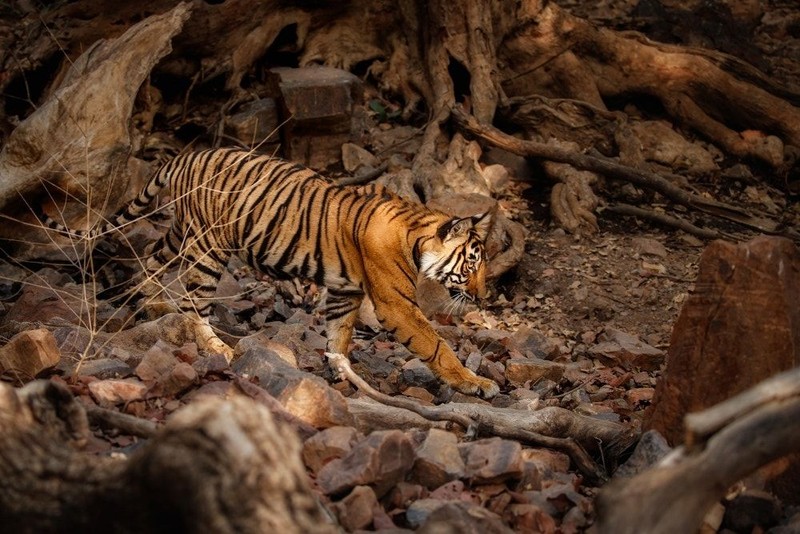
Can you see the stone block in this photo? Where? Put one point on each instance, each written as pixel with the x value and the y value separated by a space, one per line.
pixel 437 459
pixel 256 125
pixel 29 353
pixel 491 460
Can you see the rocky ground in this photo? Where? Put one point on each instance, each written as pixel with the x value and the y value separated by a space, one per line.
pixel 582 323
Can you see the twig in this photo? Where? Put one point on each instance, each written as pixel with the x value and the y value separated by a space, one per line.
pixel 664 219
pixel 123 422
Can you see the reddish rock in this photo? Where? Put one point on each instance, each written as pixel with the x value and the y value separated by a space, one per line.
pixel 357 510
pixel 420 394
pixel 639 397
pixel 313 401
pixel 111 392
pixel 177 380
pixel 530 370
pixel 491 460
pixel 157 361
pixel 405 493
pixel 329 444
pixel 463 518
pixel 533 344
pixel 531 518
pixel 29 353
pixel 438 460
pixel 381 461
pixel 619 348
pixel 740 326
pixel 547 461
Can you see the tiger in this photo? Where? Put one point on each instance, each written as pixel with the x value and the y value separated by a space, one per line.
pixel 286 220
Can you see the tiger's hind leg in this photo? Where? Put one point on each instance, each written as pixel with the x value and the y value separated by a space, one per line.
pixel 203 268
pixel 149 290
pixel 341 312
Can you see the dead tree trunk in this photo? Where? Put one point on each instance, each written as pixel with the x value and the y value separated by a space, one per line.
pixel 728 442
pixel 217 466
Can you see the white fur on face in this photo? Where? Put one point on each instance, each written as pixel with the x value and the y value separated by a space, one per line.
pixel 427 264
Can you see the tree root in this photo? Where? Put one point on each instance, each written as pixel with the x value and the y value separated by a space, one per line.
pixel 216 466
pixel 665 220
pixel 550 427
pixel 606 167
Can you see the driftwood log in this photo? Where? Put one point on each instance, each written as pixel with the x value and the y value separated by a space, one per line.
pixel 725 443
pixel 217 466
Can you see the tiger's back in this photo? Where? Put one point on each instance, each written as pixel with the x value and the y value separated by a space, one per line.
pixel 286 220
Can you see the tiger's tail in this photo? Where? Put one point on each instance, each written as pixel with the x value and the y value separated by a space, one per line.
pixel 132 211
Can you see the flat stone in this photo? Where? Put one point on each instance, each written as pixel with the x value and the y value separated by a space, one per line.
pixel 354 157
pixel 650 449
pixel 263 342
pixel 157 361
pixel 103 368
pixel 533 344
pixel 520 371
pixel 628 351
pixel 112 391
pixel 437 459
pixel 417 373
pixel 491 460
pixel 547 461
pixel 329 444
pixel 526 517
pixel 381 461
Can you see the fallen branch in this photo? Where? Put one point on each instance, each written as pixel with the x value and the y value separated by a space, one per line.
pixel 127 424
pixel 731 440
pixel 552 427
pixel 663 219
pixel 607 167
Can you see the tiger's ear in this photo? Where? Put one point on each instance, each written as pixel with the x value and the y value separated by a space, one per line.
pixel 453 228
pixel 458 226
pixel 482 223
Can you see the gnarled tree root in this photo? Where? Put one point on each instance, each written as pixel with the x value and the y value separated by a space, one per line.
pixel 217 466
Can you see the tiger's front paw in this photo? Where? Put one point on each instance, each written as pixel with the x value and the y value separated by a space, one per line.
pixel 476 385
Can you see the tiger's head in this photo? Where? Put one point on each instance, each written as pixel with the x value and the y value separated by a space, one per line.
pixel 456 256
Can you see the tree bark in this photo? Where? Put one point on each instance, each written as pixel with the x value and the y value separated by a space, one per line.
pixel 730 441
pixel 217 466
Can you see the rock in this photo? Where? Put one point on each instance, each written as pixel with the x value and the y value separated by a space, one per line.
pixel 619 348
pixel 261 340
pixel 329 444
pixel 381 460
pixel 255 124
pixel 355 157
pixel 110 392
pixel 437 459
pixel 533 344
pixel 496 176
pixel 29 353
pixel 177 380
pixel 318 104
pixel 103 368
pixel 652 447
pixel 419 510
pixel 417 373
pixel 529 370
pixel 463 518
pixel 661 143
pixel 157 361
pixel 313 401
pixel 531 518
pixel 403 494
pixel 420 394
pixel 547 461
pixel 752 511
pixel 639 397
pixel 646 245
pixel 357 510
pixel 740 326
pixel 491 460
pixel 303 394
